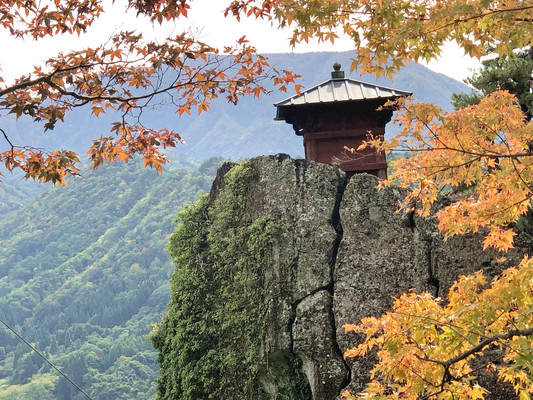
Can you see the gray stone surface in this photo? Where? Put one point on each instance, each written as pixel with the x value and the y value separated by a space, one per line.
pixel 312 340
pixel 344 254
pixel 380 256
pixel 299 285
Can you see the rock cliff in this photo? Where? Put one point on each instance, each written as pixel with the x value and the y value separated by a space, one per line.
pixel 274 261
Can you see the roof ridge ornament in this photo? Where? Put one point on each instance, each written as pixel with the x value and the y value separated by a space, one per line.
pixel 337 73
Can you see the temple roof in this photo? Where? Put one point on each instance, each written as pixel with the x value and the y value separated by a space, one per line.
pixel 340 89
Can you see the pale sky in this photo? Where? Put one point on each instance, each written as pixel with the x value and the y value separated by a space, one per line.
pixel 205 16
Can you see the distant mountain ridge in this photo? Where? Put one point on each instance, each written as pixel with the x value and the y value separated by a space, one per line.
pixel 240 131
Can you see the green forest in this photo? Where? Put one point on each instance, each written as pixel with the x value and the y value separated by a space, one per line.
pixel 84 273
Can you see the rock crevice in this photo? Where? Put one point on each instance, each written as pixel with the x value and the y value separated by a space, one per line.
pixel 373 254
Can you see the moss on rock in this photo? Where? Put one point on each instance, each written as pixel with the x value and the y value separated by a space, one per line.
pixel 210 342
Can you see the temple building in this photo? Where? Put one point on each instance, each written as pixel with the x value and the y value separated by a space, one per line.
pixel 340 113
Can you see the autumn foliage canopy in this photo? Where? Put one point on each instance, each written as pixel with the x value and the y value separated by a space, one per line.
pixel 127 74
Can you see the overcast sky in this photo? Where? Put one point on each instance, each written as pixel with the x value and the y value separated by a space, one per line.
pixel 206 16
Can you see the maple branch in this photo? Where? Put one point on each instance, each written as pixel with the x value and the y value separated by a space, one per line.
pixel 526 184
pixel 23 85
pixel 7 139
pixel 447 376
pixel 46 78
pixel 428 396
pixel 417 374
pixel 426 125
pixel 482 366
pixel 446 324
pixel 490 214
pixel 127 100
pixel 472 153
pixel 520 176
pixel 492 12
pixel 449 167
pixel 480 15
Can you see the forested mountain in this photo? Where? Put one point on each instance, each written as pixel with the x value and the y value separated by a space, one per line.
pixel 15 192
pixel 83 274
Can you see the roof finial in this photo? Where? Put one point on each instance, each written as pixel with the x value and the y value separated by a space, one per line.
pixel 337 73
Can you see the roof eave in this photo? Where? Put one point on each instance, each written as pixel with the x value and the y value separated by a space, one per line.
pixel 280 103
pixel 287 102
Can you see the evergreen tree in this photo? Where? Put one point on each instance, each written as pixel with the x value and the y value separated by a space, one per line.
pixel 511 73
pixel 53 346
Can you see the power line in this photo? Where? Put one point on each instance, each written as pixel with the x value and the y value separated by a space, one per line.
pixel 44 358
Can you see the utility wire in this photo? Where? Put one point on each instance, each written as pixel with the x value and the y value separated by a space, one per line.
pixel 45 359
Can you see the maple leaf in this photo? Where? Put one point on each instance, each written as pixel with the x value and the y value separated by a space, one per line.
pixel 97 110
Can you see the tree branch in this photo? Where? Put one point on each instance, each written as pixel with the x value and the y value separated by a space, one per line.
pixel 448 377
pixel 7 139
pixel 487 341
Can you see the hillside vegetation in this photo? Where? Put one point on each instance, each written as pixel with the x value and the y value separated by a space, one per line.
pixel 83 274
pixel 14 193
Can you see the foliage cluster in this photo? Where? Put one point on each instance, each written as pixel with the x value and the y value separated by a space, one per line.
pixel 40 388
pixel 82 278
pixel 127 74
pixel 209 343
pixel 387 34
pixel 492 156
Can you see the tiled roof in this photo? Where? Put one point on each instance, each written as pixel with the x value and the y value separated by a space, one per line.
pixel 339 90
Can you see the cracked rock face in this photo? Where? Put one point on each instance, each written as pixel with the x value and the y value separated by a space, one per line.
pixel 344 253
pixel 380 256
pixel 305 196
pixel 383 254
